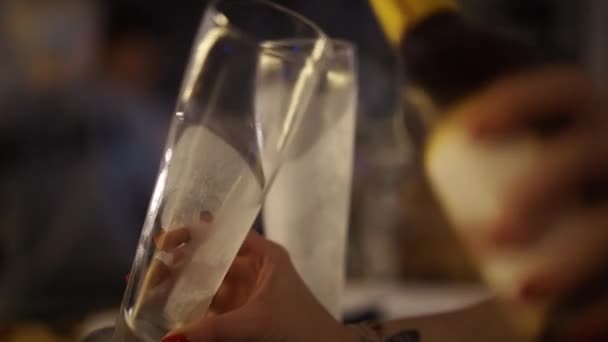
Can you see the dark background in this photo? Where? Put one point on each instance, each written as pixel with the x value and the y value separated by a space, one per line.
pixel 86 95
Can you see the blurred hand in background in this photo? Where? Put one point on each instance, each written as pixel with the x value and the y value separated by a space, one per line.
pixel 559 208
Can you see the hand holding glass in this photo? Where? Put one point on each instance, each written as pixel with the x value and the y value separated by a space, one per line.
pixel 211 182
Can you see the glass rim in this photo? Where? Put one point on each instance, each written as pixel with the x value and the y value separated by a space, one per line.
pixel 216 4
pixel 337 44
pixel 338 48
pixel 340 44
pixel 262 44
pixel 215 12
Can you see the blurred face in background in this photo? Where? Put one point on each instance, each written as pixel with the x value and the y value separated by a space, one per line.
pixel 49 43
pixel 132 61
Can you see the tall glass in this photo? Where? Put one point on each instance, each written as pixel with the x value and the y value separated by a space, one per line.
pixel 307 209
pixel 210 186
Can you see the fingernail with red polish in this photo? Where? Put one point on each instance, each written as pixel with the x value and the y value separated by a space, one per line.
pixel 533 291
pixel 206 216
pixel 176 338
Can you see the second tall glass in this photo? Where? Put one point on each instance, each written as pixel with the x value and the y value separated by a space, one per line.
pixel 307 209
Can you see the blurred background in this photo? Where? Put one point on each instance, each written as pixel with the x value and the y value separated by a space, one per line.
pixel 86 95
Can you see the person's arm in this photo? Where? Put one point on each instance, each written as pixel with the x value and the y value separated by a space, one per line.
pixel 481 322
pixel 263 299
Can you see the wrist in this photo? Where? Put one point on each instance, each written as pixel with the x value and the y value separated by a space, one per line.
pixel 368 331
pixel 371 331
